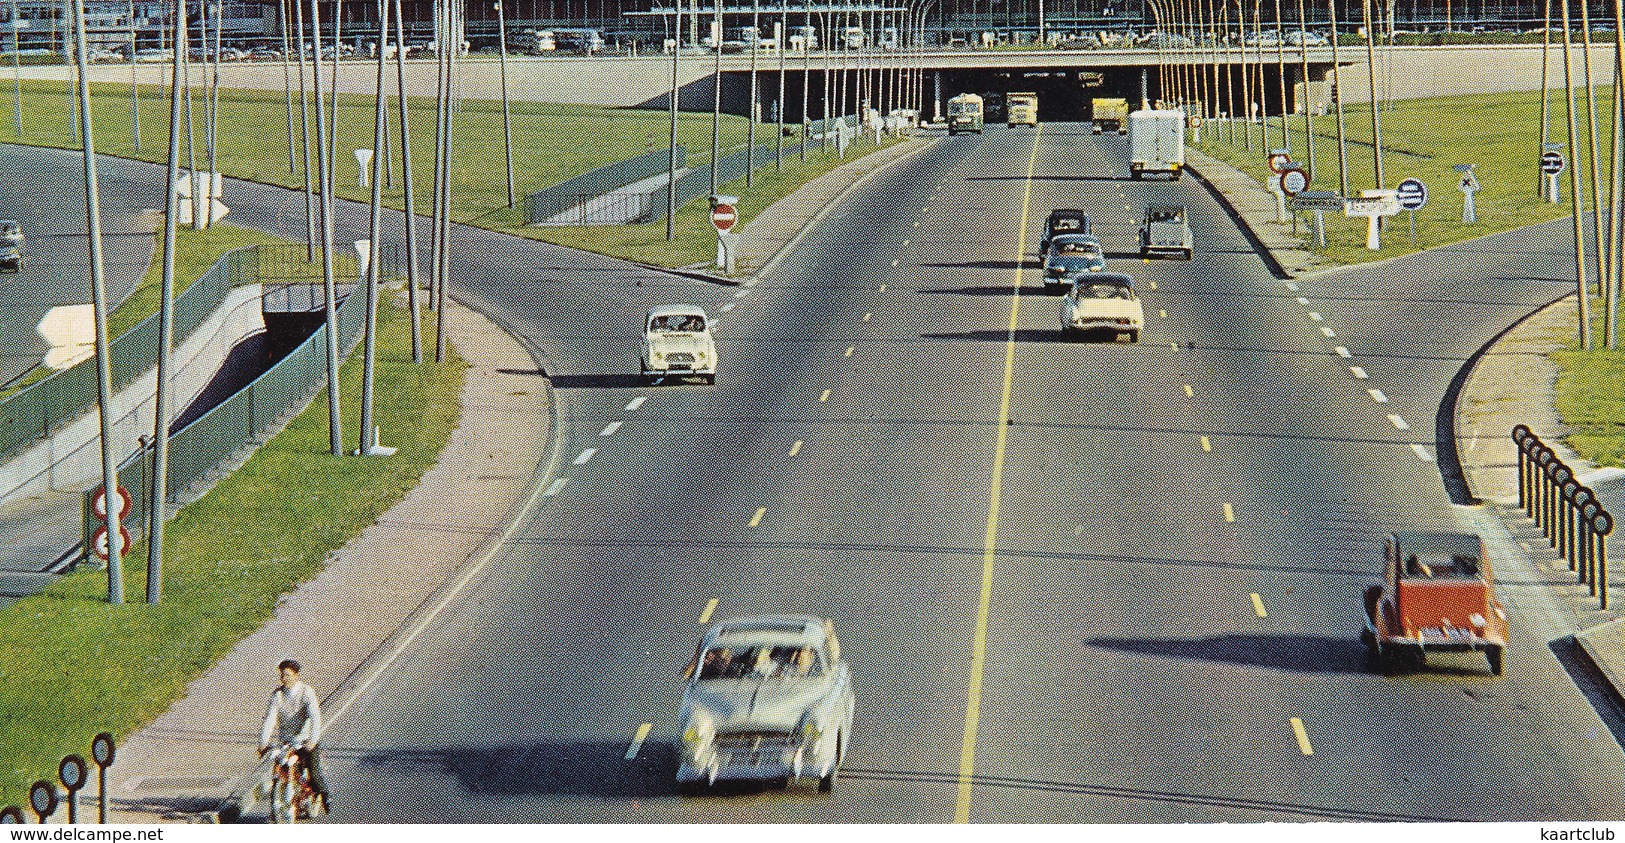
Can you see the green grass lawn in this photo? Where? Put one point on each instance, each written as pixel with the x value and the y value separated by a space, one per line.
pixel 75 665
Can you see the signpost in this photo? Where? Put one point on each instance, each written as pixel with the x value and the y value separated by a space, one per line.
pixel 1412 195
pixel 1292 181
pixel 98 504
pixel 724 213
pixel 98 542
pixel 1319 201
pixel 1373 205
pixel 1551 163
pixel 1468 186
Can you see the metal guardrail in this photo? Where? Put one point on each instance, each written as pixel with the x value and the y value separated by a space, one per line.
pixel 212 438
pixel 550 202
pixel 1567 511
pixel 697 182
pixel 614 208
pixel 35 411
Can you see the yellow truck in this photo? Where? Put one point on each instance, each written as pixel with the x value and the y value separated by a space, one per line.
pixel 1021 109
pixel 1108 114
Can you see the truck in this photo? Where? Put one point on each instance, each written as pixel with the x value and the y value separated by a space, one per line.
pixel 1156 142
pixel 1108 114
pixel 1021 108
pixel 965 114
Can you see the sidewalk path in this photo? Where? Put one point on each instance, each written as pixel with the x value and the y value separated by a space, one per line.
pixel 185 763
pixel 1511 383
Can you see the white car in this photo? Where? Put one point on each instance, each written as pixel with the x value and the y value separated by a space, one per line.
pixel 768 699
pixel 1102 301
pixel 677 342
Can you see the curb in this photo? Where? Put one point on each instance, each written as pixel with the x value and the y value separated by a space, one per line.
pixel 1613 674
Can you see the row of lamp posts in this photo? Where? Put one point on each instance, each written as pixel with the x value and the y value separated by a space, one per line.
pixel 1567 511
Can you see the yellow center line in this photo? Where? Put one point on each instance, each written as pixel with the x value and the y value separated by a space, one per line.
pixel 973 707
pixel 850 349
pixel 1206 445
pixel 823 398
pixel 796 448
pixel 710 606
pixel 1189 393
pixel 1302 736
pixel 868 316
pixel 637 741
pixel 1153 285
pixel 1229 514
pixel 1163 314
pixel 757 518
pixel 882 288
pixel 1258 606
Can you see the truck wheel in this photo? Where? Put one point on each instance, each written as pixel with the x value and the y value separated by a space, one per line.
pixel 1494 655
pixel 1134 174
pixel 1188 254
pixel 1133 336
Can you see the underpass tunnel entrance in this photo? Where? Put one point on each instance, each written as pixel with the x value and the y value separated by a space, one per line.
pixel 1064 94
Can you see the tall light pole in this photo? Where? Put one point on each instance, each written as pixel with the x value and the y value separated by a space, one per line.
pixel 755 99
pixel 1545 98
pixel 98 291
pixel 410 219
pixel 1371 79
pixel 159 492
pixel 1337 103
pixel 1611 294
pixel 507 120
pixel 375 233
pixel 1575 195
pixel 335 424
pixel 287 82
pixel 778 45
pixel 671 169
pixel 304 133
pixel 1591 122
pixel 716 104
pixel 1303 58
pixel 135 99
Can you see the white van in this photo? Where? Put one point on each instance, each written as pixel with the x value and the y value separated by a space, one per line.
pixel 677 343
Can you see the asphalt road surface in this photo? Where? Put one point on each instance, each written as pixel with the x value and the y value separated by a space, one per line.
pixel 1076 581
pixel 44 189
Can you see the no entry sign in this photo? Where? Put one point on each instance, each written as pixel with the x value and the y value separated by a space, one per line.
pixel 723 216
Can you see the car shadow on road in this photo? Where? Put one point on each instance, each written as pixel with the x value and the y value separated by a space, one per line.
pixel 1025 264
pixel 1297 653
pixel 985 290
pixel 1033 335
pixel 1049 178
pixel 571 768
pixel 614 380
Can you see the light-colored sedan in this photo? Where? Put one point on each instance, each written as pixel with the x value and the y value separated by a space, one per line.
pixel 677 342
pixel 768 699
pixel 1102 301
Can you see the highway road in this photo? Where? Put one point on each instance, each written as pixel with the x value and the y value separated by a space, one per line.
pixel 44 189
pixel 1076 581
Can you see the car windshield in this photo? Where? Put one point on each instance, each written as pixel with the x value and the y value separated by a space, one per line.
pixel 669 324
pixel 765 661
pixel 1070 264
pixel 1441 566
pixel 1065 224
pixel 1102 290
pixel 1167 215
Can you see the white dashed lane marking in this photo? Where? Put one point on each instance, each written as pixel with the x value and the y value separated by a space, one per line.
pixel 1358 372
pixel 609 430
pixel 1377 396
pixel 1327 331
pixel 1342 352
pixel 585 455
pixel 554 487
pixel 1422 453
pixel 636 402
pixel 637 741
pixel 1398 422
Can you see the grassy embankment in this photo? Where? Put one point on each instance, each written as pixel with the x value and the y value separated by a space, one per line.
pixel 1424 139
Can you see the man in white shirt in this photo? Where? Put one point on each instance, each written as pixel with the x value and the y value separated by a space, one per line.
pixel 294 718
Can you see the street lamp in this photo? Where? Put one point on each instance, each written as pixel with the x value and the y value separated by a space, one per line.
pixel 716 107
pixel 507 120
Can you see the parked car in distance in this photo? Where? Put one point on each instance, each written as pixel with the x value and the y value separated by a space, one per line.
pixel 768 699
pixel 1069 255
pixel 153 55
pixel 1063 221
pixel 1102 301
pixel 11 232
pixel 1302 38
pixel 1438 594
pixel 677 342
pixel 11 257
pixel 1166 231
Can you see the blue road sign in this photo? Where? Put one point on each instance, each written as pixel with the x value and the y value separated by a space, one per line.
pixel 1412 194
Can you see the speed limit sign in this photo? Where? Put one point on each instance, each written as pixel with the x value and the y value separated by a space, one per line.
pixel 98 504
pixel 1293 180
pixel 98 542
pixel 1279 160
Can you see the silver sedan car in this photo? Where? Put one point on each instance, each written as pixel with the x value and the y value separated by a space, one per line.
pixel 768 699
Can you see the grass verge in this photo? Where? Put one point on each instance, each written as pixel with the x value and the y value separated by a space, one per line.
pixel 1589 399
pixel 76 665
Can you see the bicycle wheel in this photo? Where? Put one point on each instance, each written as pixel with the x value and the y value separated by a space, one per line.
pixel 284 808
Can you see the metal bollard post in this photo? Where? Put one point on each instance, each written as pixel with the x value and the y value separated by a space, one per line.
pixel 1520 437
pixel 1603 524
pixel 72 772
pixel 42 798
pixel 101 752
pixel 1583 498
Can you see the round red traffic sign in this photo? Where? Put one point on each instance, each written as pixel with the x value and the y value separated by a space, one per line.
pixel 1294 180
pixel 98 542
pixel 1279 161
pixel 98 504
pixel 724 216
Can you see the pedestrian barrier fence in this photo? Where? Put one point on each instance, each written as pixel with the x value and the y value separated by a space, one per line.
pixel 218 434
pixel 1567 511
pixel 545 204
pixel 697 182
pixel 41 407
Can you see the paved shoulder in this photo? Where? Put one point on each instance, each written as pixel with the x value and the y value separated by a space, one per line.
pixel 194 755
